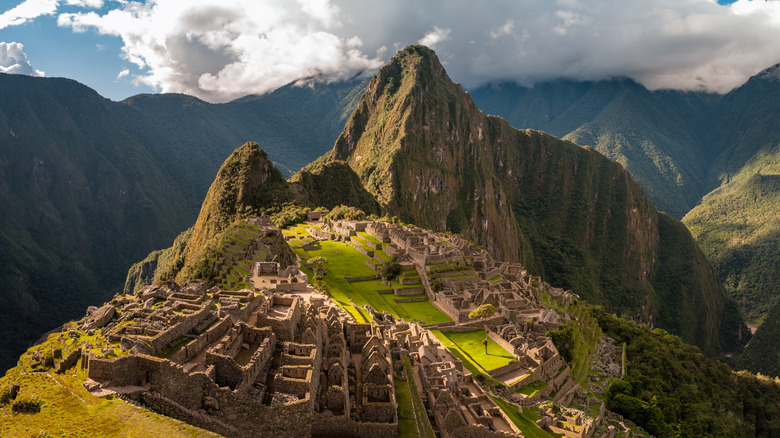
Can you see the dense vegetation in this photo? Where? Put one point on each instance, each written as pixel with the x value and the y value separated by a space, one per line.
pixel 679 146
pixel 738 227
pixel 762 355
pixel 672 389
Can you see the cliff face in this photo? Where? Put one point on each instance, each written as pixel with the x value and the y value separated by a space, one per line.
pixel 423 148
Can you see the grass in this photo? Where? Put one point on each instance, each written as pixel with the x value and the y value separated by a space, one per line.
pixel 412 418
pixel 470 343
pixel 345 261
pixel 532 388
pixel 528 427
pixel 68 410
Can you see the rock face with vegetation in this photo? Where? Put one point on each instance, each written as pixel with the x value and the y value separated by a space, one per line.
pixel 711 158
pixel 89 185
pixel 421 146
pixel 246 185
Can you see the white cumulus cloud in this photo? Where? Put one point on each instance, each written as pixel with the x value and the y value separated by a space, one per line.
pixel 434 37
pixel 14 60
pixel 223 49
pixel 85 3
pixel 26 11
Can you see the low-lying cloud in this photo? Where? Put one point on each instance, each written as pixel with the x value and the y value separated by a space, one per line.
pixel 14 60
pixel 223 49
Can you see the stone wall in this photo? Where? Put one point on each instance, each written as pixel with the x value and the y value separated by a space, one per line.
pixel 508 368
pixel 478 431
pixel 408 291
pixel 502 342
pixel 344 427
pixel 197 345
pixel 188 322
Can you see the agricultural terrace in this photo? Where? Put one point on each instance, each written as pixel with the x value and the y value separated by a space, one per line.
pixel 343 261
pixel 469 348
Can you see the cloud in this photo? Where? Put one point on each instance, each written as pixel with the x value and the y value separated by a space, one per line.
pixel 14 60
pixel 123 73
pixel 85 3
pixel 223 49
pixel 220 50
pixel 683 44
pixel 26 11
pixel 434 37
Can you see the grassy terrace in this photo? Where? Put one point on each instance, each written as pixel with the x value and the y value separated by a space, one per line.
pixel 468 347
pixel 412 418
pixel 523 420
pixel 532 388
pixel 68 410
pixel 345 261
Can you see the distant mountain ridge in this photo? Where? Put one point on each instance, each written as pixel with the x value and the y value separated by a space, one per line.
pixel 693 153
pixel 89 186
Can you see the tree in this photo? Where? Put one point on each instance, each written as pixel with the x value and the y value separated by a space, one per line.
pixel 316 264
pixel 482 312
pixel 390 270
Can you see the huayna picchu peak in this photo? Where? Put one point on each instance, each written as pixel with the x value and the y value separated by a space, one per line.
pixel 437 273
pixel 430 156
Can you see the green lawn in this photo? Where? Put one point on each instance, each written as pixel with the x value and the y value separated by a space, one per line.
pixel 470 343
pixel 68 410
pixel 532 388
pixel 345 261
pixel 412 419
pixel 368 237
pixel 528 427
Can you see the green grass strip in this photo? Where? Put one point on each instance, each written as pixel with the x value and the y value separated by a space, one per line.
pixel 528 427
pixel 412 419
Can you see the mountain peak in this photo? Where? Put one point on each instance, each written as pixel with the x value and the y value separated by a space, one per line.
pixel 771 74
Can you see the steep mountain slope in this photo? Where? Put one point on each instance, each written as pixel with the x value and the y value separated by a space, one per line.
pixel 738 224
pixel 247 185
pixel 652 134
pixel 745 131
pixel 738 227
pixel 81 198
pixel 89 185
pixel 762 355
pixel 679 146
pixel 421 146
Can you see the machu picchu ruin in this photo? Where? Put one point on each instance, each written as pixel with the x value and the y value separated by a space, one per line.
pixel 264 351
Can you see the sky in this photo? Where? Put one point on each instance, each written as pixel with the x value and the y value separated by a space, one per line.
pixel 219 50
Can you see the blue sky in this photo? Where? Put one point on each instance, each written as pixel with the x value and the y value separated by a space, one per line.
pixel 219 50
pixel 88 57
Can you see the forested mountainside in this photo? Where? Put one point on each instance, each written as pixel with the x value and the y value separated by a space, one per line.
pixel 430 156
pixel 709 157
pixel 90 186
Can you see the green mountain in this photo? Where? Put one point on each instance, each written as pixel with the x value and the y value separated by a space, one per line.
pixel 90 186
pixel 652 134
pixel 738 227
pixel 247 185
pixel 679 146
pixel 421 146
pixel 762 354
